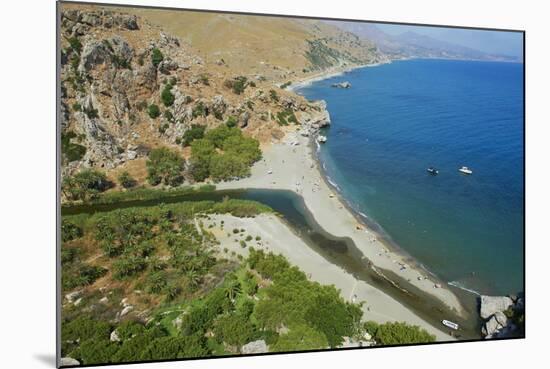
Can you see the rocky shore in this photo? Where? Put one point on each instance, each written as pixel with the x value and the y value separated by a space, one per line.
pixel 504 316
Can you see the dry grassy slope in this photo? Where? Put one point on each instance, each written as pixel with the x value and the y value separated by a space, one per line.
pixel 267 45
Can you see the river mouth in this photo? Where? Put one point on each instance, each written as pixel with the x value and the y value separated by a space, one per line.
pixel 337 250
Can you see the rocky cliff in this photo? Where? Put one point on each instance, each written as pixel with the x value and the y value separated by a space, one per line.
pixel 127 86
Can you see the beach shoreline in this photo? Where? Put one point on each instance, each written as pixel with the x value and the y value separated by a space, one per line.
pixel 292 165
pixel 329 73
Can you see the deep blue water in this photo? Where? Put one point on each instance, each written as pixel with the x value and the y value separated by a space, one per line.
pixel 395 121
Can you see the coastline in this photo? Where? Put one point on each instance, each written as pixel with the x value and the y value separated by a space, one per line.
pixel 329 73
pixel 294 167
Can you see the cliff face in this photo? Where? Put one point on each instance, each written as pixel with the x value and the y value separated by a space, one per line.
pixel 128 86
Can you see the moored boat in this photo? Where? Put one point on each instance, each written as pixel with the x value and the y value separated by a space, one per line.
pixel 450 324
pixel 433 171
pixel 465 170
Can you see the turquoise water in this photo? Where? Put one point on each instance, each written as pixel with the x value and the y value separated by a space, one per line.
pixel 395 121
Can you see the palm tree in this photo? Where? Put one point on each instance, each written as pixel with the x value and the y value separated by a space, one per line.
pixel 194 278
pixel 233 289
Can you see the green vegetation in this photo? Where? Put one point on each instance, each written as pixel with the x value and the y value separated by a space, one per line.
pixel 198 303
pixel 286 84
pixel 273 95
pixel 140 194
pixel 200 110
pixel 231 121
pixel 165 166
pixel 285 117
pixel 237 84
pixel 153 111
pixel 126 180
pixel 71 151
pixel 196 132
pixel 167 96
pixel 396 333
pixel 156 57
pixel 321 56
pixel 85 185
pixel 75 44
pixel 223 154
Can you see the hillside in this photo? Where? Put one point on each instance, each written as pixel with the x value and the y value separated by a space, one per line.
pixel 275 47
pixel 128 86
pixel 118 64
pixel 413 45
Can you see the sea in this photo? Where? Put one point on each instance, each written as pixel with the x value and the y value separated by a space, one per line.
pixel 400 118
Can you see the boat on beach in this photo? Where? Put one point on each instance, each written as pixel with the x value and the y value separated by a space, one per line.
pixel 450 324
pixel 465 170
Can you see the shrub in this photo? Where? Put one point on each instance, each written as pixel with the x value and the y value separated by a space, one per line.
pixel 156 57
pixel 194 133
pixel 165 166
pixel 231 121
pixel 126 180
pixel 153 111
pixel 233 329
pixel 70 231
pixel 396 333
pixel 300 337
pixel 85 185
pixel 75 44
pixel 273 95
pixel 167 96
pixel 237 85
pixel 168 115
pixel 166 348
pixel 72 151
pixel 248 238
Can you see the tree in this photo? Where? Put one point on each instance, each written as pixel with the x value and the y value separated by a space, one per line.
pixel 165 166
pixel 300 337
pixel 233 329
pixel 395 333
pixel 153 111
pixel 156 57
pixel 126 180
pixel 85 185
pixel 228 166
pixel 194 133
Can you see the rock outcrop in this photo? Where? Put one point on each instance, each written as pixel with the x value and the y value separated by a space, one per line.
pixel 254 347
pixel 344 84
pixel 503 316
pixel 69 361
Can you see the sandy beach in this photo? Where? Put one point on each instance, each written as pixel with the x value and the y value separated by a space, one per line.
pixel 290 165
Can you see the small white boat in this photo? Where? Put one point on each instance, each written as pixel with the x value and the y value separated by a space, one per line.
pixel 270 172
pixel 321 139
pixel 450 324
pixel 465 170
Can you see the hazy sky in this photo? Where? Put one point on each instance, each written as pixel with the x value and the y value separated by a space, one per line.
pixel 496 42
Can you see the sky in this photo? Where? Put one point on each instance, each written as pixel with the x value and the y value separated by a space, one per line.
pixel 494 42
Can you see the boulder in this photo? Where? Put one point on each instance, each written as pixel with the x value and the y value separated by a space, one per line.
pixel 167 65
pixel 114 336
pixel 126 310
pixel 121 48
pixel 492 304
pixel 93 53
pixel 126 21
pixel 243 119
pixel 68 361
pixel 254 347
pixel 91 19
pixel 73 296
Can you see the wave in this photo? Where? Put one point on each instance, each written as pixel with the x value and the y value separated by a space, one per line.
pixel 333 184
pixel 462 287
